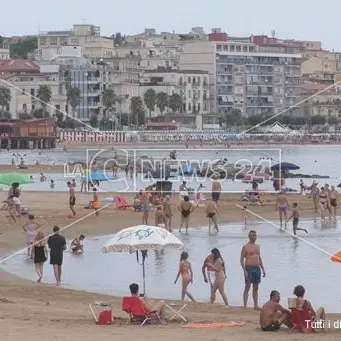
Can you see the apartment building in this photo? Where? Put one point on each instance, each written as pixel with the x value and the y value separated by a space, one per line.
pixel 4 53
pixel 322 100
pixel 24 78
pixel 244 75
pixel 91 78
pixel 85 36
pixel 191 85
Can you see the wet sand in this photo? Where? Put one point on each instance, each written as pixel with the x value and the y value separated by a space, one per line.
pixel 32 311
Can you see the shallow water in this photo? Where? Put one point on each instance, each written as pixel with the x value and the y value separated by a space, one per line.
pixel 288 262
pixel 319 160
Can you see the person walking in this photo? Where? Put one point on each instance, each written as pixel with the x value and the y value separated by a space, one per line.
pixel 57 245
pixel 39 254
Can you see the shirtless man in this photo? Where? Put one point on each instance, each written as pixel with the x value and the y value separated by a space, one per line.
pixel 72 198
pixel 283 206
pixel 212 213
pixel 168 212
pixel 252 265
pixel 272 314
pixel 216 189
pixel 160 217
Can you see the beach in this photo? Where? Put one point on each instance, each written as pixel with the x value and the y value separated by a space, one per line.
pixel 30 310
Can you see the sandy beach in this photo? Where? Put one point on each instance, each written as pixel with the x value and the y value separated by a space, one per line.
pixel 32 311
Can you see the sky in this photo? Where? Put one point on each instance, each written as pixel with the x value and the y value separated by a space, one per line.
pixel 291 19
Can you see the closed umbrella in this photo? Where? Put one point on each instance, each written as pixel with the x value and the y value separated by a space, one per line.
pixel 10 178
pixel 142 238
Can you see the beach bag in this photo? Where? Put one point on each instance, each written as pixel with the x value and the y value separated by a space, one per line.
pixel 105 318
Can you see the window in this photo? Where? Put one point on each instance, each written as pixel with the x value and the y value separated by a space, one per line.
pixel 189 107
pixel 189 79
pixel 32 92
pixel 23 91
pixel 239 49
pixel 24 107
pixel 244 48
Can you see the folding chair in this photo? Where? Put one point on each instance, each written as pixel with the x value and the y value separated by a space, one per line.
pixel 104 316
pixel 177 311
pixel 121 202
pixel 138 312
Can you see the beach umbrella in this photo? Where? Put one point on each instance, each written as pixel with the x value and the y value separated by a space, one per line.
pixel 285 166
pixel 10 178
pixel 142 238
pixel 336 257
pixel 98 176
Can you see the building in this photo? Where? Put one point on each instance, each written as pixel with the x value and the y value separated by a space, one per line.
pixel 245 76
pixel 191 85
pixel 24 78
pixel 91 78
pixel 4 53
pixel 29 134
pixel 87 37
pixel 323 100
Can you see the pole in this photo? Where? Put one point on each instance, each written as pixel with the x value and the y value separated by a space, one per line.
pixel 144 277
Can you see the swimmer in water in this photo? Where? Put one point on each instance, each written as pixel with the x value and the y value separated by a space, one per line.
pixel 295 219
pixel 282 205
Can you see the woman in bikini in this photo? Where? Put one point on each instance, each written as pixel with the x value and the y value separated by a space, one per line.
pixel 40 254
pixel 145 208
pixel 185 270
pixel 212 212
pixel 282 205
pixel 323 202
pixel 30 229
pixel 333 201
pixel 220 276
pixel 185 208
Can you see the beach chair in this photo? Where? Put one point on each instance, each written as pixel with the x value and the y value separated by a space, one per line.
pixel 301 317
pixel 137 311
pixel 104 316
pixel 121 202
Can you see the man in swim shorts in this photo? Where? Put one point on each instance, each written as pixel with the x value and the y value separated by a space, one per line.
pixel 282 205
pixel 252 265
pixel 72 198
pixel 273 315
pixel 216 189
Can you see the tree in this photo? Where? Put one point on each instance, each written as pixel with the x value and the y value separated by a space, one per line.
pixel 44 95
pixel 137 111
pixel 38 113
pixel 108 100
pixel 22 48
pixel 149 98
pixel 73 95
pixel 162 101
pixel 5 98
pixel 24 116
pixel 175 103
pixel 93 121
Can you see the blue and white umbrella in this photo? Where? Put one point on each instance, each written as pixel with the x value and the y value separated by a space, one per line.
pixel 98 176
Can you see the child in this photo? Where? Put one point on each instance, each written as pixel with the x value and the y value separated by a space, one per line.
pixel 95 203
pixel 245 215
pixel 295 215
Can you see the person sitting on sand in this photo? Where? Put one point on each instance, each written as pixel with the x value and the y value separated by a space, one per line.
pixel 273 315
pixel 160 217
pixel 159 307
pixel 300 303
pixel 77 244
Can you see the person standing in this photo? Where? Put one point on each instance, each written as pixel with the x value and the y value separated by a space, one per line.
pixel 186 272
pixel 57 245
pixel 216 189
pixel 40 254
pixel 282 206
pixel 207 269
pixel 252 265
pixel 160 217
pixel 72 198
pixel 333 201
pixel 168 212
pixel 212 213
pixel 30 229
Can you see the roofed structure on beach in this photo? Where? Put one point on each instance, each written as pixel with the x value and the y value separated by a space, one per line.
pixel 276 128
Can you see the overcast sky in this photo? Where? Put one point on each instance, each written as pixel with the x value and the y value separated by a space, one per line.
pixel 299 19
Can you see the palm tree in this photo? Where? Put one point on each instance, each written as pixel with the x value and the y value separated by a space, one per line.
pixel 108 99
pixel 5 98
pixel 73 98
pixel 175 103
pixel 162 101
pixel 137 111
pixel 44 95
pixel 149 98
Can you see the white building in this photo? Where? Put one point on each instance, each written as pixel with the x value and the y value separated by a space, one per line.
pixel 191 85
pixel 4 54
pixel 242 76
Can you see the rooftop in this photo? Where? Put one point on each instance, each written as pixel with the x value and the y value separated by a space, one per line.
pixel 164 70
pixel 18 65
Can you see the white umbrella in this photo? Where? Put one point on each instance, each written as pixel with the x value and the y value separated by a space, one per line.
pixel 142 238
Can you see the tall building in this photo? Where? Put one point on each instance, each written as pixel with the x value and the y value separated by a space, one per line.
pixel 253 77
